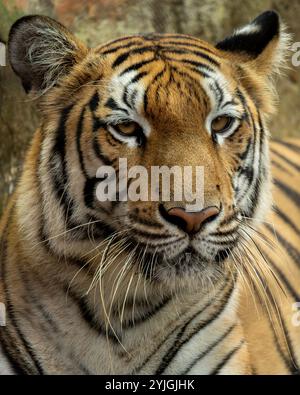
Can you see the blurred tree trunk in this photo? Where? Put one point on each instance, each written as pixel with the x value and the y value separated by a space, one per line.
pixel 96 21
pixel 18 119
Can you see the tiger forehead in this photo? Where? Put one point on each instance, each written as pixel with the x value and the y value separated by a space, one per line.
pixel 163 76
pixel 157 90
pixel 158 43
pixel 171 48
pixel 172 63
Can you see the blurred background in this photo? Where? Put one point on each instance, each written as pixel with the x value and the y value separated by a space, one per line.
pixel 96 21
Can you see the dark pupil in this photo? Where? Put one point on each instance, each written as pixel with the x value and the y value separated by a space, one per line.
pixel 222 123
pixel 128 127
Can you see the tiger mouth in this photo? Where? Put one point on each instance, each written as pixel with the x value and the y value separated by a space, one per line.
pixel 155 248
pixel 181 263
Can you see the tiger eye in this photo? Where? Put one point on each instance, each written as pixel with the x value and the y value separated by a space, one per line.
pixel 128 128
pixel 220 124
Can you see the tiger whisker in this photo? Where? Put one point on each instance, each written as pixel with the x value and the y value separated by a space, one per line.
pixel 134 298
pixel 125 299
pixel 271 271
pixel 106 316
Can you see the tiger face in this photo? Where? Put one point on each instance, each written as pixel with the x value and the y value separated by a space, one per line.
pixel 157 100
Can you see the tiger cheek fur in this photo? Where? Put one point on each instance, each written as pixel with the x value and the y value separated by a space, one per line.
pixel 121 286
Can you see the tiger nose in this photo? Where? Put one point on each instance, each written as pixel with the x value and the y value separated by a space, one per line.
pixel 191 222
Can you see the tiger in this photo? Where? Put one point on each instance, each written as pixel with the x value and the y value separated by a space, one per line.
pixel 149 287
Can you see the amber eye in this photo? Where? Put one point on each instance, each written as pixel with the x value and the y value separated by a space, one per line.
pixel 128 131
pixel 129 128
pixel 221 124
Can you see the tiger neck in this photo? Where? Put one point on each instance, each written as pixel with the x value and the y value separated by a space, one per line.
pixel 149 319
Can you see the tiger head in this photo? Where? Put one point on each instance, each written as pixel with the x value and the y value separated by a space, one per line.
pixel 167 101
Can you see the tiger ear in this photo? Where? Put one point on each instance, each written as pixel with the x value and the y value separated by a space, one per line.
pixel 41 51
pixel 263 42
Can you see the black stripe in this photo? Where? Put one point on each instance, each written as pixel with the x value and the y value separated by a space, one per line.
pixel 188 44
pixel 287 361
pixel 12 318
pixel 46 317
pixel 227 358
pixel 280 167
pixel 112 140
pixel 89 318
pixel 288 191
pixel 124 46
pixel 246 170
pixel 138 77
pixel 292 147
pixel 111 104
pixel 287 160
pixel 120 59
pixel 287 220
pixel 290 249
pixel 229 243
pixel 8 343
pixel 226 233
pixel 193 69
pixel 178 343
pixel 94 102
pixel 209 349
pixel 90 183
pixel 248 173
pixel 155 78
pixel 99 153
pixel 89 191
pixel 192 63
pixel 18 366
pixel 243 100
pixel 125 94
pixel 137 66
pixel 197 53
pixel 219 92
pixel 190 319
pixel 147 315
pixel 60 180
pixel 244 154
pixel 98 124
pixel 149 245
pixel 295 295
pixel 79 233
pixel 124 56
pixel 258 181
pixel 78 142
pixel 294 367
pixel 133 98
pixel 254 198
pixel 121 39
pixel 132 41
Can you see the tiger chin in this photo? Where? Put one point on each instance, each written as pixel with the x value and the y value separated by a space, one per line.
pixel 141 286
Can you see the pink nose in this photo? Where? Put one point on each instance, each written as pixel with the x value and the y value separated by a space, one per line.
pixel 191 222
